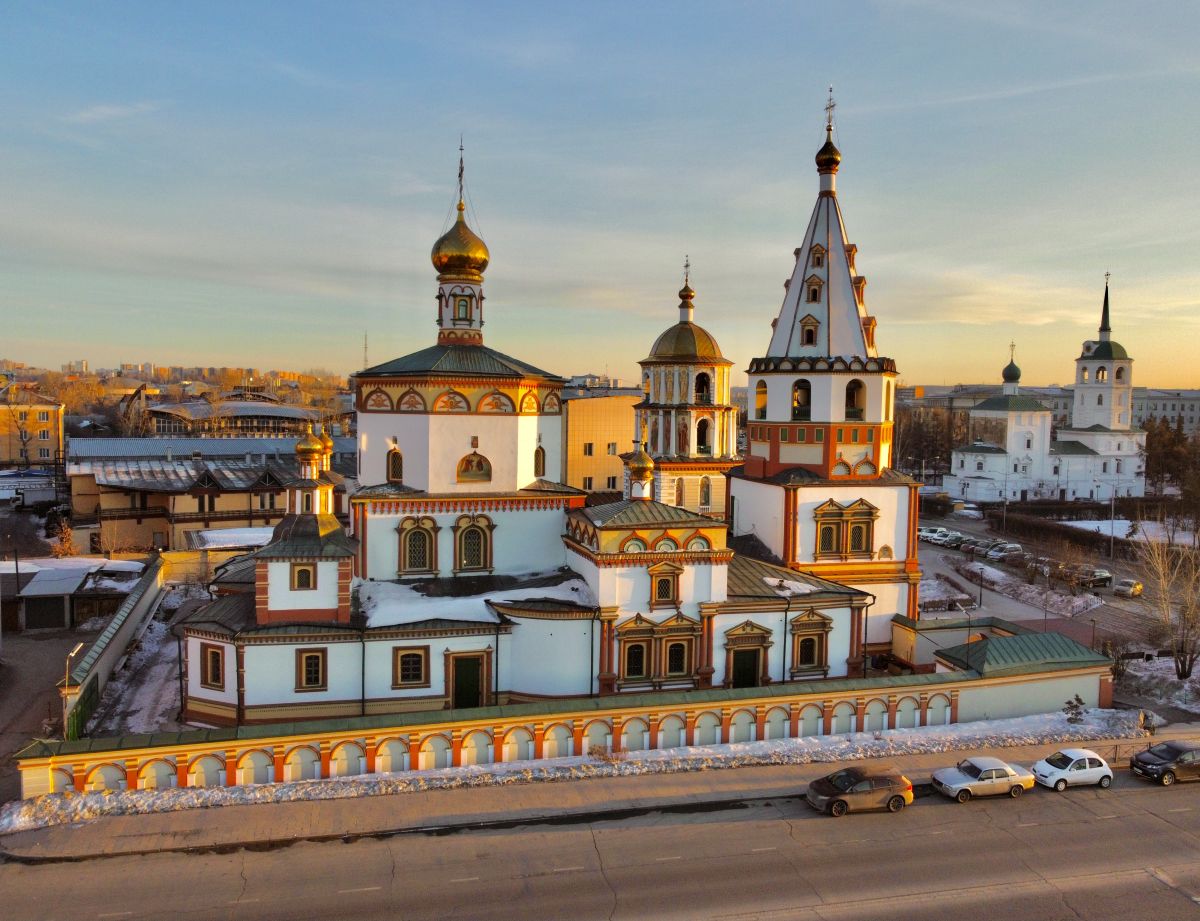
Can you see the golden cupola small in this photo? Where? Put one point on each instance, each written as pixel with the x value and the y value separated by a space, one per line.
pixel 460 254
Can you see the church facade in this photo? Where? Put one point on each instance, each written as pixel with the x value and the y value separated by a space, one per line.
pixel 1013 455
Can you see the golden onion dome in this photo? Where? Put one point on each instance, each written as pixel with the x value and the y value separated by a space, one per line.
pixel 310 445
pixel 641 464
pixel 686 294
pixel 326 440
pixel 459 252
pixel 828 157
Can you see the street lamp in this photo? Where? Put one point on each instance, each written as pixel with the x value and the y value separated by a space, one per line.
pixel 67 683
pixel 1093 646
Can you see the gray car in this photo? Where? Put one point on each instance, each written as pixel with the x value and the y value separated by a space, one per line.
pixel 982 777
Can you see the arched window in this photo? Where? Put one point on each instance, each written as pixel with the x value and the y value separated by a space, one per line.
pixel 858 538
pixel 1099 399
pixel 1101 375
pixel 462 308
pixel 829 541
pixel 760 400
pixel 677 659
pixel 705 493
pixel 1083 375
pixel 472 545
pixel 474 468
pixel 539 461
pixel 664 588
pixel 704 437
pixel 679 492
pixel 808 651
pixel 810 335
pixel 635 661
pixel 416 551
pixel 395 466
pixel 304 577
pixel 856 399
pixel 801 401
pixel 703 388
pixel 666 545
pixel 1119 374
pixel 308 502
pixel 698 543
pixel 635 546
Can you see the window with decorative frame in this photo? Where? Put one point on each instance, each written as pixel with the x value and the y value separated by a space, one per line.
pixel 410 667
pixel 304 577
pixel 395 466
pixel 810 644
pixel 473 543
pixel 539 461
pixel 678 659
pixel 634 661
pixel 212 666
pixel 312 669
pixel 845 531
pixel 664 583
pixel 418 546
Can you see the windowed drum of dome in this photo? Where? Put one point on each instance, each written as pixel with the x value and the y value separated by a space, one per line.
pixel 395 466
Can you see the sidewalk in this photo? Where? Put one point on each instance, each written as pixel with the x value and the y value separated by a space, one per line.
pixel 281 824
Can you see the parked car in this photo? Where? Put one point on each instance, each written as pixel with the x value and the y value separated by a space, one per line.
pixel 1128 588
pixel 931 533
pixel 941 539
pixel 1000 551
pixel 856 789
pixel 982 777
pixel 1168 762
pixel 954 541
pixel 1086 577
pixel 1073 767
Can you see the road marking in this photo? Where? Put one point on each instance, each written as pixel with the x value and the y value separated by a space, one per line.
pixel 661 859
pixel 759 850
pixel 566 869
pixel 1106 816
pixel 465 879
pixel 1184 809
pixel 242 901
pixel 1028 824
pixel 115 914
pixel 360 889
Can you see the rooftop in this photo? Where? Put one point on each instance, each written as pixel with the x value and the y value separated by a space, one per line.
pixel 83 449
pixel 470 360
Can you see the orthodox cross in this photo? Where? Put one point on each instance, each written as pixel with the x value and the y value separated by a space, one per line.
pixel 1012 351
pixel 829 107
pixel 687 269
pixel 1107 276
pixel 460 168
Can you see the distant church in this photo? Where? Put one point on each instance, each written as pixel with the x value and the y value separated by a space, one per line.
pixel 1013 456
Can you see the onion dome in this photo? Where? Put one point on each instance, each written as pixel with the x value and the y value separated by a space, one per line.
pixel 326 440
pixel 1011 373
pixel 310 445
pixel 829 158
pixel 459 252
pixel 640 464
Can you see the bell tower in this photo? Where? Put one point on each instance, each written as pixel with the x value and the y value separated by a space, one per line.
pixel 460 258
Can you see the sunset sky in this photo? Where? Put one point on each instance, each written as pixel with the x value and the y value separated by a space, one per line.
pixel 260 183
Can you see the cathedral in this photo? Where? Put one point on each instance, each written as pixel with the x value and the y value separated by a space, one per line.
pixel 471 576
pixel 1014 456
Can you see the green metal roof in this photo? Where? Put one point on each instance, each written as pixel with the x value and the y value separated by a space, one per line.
pixel 1109 351
pixel 1004 655
pixel 1011 403
pixel 754 579
pixel 475 360
pixel 635 512
pixel 1070 447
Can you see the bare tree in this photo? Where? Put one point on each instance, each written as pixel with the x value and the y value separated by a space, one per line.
pixel 66 541
pixel 1173 574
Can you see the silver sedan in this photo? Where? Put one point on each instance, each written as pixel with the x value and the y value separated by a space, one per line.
pixel 982 777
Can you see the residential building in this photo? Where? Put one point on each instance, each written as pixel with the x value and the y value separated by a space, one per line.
pixel 598 425
pixel 31 428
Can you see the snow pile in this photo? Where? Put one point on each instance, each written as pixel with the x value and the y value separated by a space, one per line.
pixel 1059 603
pixel 180 592
pixel 786 588
pixel 1156 680
pixel 940 594
pixel 144 695
pixel 1048 729
pixel 95 624
pixel 123 566
pixel 387 604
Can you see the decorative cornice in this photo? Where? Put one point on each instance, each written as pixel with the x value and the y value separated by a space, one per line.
pixel 822 363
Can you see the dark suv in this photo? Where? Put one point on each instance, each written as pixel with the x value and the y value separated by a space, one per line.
pixel 857 789
pixel 1168 762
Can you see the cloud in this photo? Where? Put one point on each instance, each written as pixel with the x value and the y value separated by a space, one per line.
pixel 97 114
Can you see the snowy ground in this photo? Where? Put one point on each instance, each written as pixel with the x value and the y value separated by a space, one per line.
pixel 1048 729
pixel 1062 604
pixel 1146 530
pixel 1155 680
pixel 939 594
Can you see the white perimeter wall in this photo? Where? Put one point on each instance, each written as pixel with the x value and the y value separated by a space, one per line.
pixel 1045 695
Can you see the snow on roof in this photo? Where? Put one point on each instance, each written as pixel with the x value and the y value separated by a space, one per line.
pixel 8 566
pixel 389 604
pixel 785 588
pixel 123 566
pixel 229 538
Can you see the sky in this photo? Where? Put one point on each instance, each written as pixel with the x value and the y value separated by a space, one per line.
pixel 259 184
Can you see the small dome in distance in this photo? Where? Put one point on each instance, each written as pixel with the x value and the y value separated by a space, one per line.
pixel 309 445
pixel 828 158
pixel 1011 373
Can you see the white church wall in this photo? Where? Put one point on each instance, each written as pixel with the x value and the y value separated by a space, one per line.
pixel 556 657
pixel 281 597
pixel 891 527
pixel 758 510
pixel 271 673
pixel 228 694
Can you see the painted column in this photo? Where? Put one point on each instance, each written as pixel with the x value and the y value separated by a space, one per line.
pixel 277 756
pixel 891 711
pixel 577 737
pixel 689 728
pixel 653 720
pixel 372 752
pixel 539 741
pixel 726 720
pixel 414 753
pixel 231 760
pixel 456 748
pixel 131 775
pixel 923 714
pixel 326 756
pixel 827 717
pixel 794 721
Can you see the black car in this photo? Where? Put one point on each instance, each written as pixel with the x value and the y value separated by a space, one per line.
pixel 1168 762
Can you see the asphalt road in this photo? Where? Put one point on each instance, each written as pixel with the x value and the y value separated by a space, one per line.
pixel 1132 852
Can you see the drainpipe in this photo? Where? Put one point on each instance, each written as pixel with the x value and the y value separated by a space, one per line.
pixel 496 669
pixel 592 655
pixel 179 654
pixel 783 641
pixel 863 633
pixel 362 673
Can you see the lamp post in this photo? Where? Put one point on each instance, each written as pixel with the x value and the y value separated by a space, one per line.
pixel 1112 524
pixel 67 683
pixel 1093 646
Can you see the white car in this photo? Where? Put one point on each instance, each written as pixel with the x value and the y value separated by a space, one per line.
pixel 981 776
pixel 1073 767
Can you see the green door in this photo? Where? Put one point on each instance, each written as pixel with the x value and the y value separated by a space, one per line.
pixel 468 681
pixel 745 668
